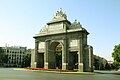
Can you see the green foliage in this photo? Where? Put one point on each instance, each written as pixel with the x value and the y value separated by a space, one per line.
pixel 1 55
pixel 108 66
pixel 5 58
pixel 26 61
pixel 116 53
pixel 101 63
pixel 116 65
pixel 96 63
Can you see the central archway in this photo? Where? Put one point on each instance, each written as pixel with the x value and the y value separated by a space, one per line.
pixel 55 56
pixel 58 53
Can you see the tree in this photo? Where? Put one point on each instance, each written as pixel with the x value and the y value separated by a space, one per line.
pixel 107 66
pixel 115 65
pixel 96 63
pixel 2 56
pixel 101 63
pixel 5 58
pixel 116 53
pixel 27 60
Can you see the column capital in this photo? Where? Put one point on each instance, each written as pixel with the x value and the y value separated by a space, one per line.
pixel 79 37
pixel 36 41
pixel 47 40
pixel 65 38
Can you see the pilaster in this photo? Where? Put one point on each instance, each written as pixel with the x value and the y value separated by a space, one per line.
pixel 90 51
pixel 80 54
pixel 47 44
pixel 65 54
pixel 36 53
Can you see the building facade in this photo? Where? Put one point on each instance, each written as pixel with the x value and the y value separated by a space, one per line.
pixel 15 56
pixel 62 44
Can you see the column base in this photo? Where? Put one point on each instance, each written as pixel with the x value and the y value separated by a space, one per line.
pixel 46 65
pixel 64 66
pixel 34 64
pixel 80 67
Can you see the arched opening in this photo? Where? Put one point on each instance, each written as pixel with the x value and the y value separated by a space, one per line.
pixel 55 56
pixel 58 53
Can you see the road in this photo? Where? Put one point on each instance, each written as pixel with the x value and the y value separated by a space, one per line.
pixel 16 74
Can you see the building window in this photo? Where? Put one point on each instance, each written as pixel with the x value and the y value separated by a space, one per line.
pixel 7 51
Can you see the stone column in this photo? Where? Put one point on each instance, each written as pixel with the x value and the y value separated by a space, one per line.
pixel 65 54
pixel 36 53
pixel 32 58
pixel 90 51
pixel 47 44
pixel 80 54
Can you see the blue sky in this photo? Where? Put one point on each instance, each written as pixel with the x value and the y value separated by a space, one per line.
pixel 20 20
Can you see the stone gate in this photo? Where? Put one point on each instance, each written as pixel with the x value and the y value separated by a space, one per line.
pixel 62 44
